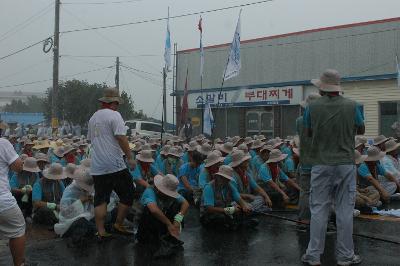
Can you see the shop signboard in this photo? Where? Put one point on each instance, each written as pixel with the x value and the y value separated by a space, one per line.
pixel 292 95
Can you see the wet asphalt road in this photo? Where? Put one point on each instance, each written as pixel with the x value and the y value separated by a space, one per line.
pixel 274 242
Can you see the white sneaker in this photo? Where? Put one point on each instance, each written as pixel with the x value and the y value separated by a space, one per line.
pixel 356 213
pixel 356 259
pixel 309 261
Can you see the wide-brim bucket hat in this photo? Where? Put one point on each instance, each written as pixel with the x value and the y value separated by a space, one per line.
pixel 257 144
pixel 379 140
pixel 41 144
pixel 70 169
pixel 329 81
pixel 239 157
pixel 391 145
pixel 83 179
pixel 145 156
pixel 165 149
pixel 59 152
pixel 167 185
pixel 174 151
pixel 374 154
pixel 359 159
pixel 276 156
pixel 192 146
pixel 213 158
pixel 226 172
pixel 111 95
pixel 54 172
pixel 41 157
pixel 204 149
pixel 226 147
pixel 30 165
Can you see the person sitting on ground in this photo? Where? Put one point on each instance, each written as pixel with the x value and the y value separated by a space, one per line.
pixel 212 163
pixel 366 197
pixel 246 185
pixel 69 174
pixel 28 145
pixel 191 147
pixel 379 142
pixel 189 178
pixel 82 150
pixel 217 209
pixel 42 162
pixel 248 141
pixel 226 149
pixel 256 160
pixel 159 162
pixel 288 166
pixel 391 162
pixel 22 183
pixel 58 156
pixel 164 211
pixel 70 154
pixel 46 195
pixel 373 174
pixel 361 143
pixel 275 182
pixel 144 171
pixel 173 162
pixel 42 146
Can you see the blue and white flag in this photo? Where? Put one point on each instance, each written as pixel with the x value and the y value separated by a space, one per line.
pixel 200 27
pixel 167 51
pixel 234 64
pixel 398 71
pixel 208 123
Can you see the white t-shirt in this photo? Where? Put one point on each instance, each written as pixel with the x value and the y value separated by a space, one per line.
pixel 106 154
pixel 7 157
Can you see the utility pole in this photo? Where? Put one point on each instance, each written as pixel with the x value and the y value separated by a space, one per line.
pixel 117 74
pixel 165 95
pixel 56 50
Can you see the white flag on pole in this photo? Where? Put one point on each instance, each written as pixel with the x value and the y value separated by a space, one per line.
pixel 398 71
pixel 208 120
pixel 234 63
pixel 167 51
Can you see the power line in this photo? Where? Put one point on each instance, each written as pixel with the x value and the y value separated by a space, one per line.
pixel 165 18
pixel 23 49
pixel 100 3
pixel 106 56
pixel 25 23
pixel 142 71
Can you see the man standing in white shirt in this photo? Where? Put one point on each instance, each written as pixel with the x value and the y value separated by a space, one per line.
pixel 107 133
pixel 12 223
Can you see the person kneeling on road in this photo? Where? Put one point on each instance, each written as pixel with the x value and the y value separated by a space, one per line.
pixel 222 205
pixel 163 214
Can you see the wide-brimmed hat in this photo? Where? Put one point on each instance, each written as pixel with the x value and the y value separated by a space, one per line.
pixel 81 143
pixel 248 140
pixel 218 141
pixel 147 147
pixel 329 81
pixel 226 172
pixel 83 179
pixel 235 140
pixel 165 149
pixel 257 144
pixel 167 184
pixel 243 147
pixel 275 143
pixel 30 165
pixel 374 154
pixel 266 148
pixel 23 156
pixel 261 137
pixel 41 144
pixel 29 142
pixel 69 148
pixel 276 156
pixel 54 172
pixel 174 151
pixel 238 157
pixel 70 169
pixel 379 140
pixel 213 157
pixel 391 145
pixel 86 163
pixel 204 149
pixel 361 139
pixel 41 157
pixel 145 156
pixel 192 146
pixel 359 159
pixel 59 152
pixel 226 147
pixel 111 95
pixel 311 97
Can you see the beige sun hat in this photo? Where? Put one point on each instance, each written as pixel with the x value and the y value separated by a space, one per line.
pixel 30 165
pixel 379 140
pixel 82 143
pixel 41 144
pixel 111 95
pixel 243 147
pixel 261 137
pixel 329 81
pixel 23 157
pixel 145 156
pixel 70 169
pixel 226 172
pixel 257 144
pixel 311 97
pixel 147 147
pixel 54 172
pixel 213 158
pixel 174 151
pixel 248 140
pixel 86 163
pixel 226 147
pixel 391 145
pixel 59 152
pixel 167 184
pixel 41 157
pixel 361 139
pixel 374 154
pixel 266 148
pixel 218 141
pixel 192 146
pixel 276 156
pixel 29 142
pixel 83 179
pixel 69 148
pixel 165 149
pixel 238 157
pixel 204 149
pixel 358 157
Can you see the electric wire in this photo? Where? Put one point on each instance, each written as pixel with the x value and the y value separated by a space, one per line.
pixel 23 49
pixel 100 3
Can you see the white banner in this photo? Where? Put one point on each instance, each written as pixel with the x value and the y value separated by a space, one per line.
pixel 249 97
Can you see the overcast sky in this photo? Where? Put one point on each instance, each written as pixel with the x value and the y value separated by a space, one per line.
pixel 141 46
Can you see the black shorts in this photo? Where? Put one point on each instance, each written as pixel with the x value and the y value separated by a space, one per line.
pixel 121 182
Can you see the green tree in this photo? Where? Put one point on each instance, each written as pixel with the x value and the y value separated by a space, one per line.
pixel 33 104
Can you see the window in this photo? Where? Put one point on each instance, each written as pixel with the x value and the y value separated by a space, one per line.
pixel 150 127
pixel 389 114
